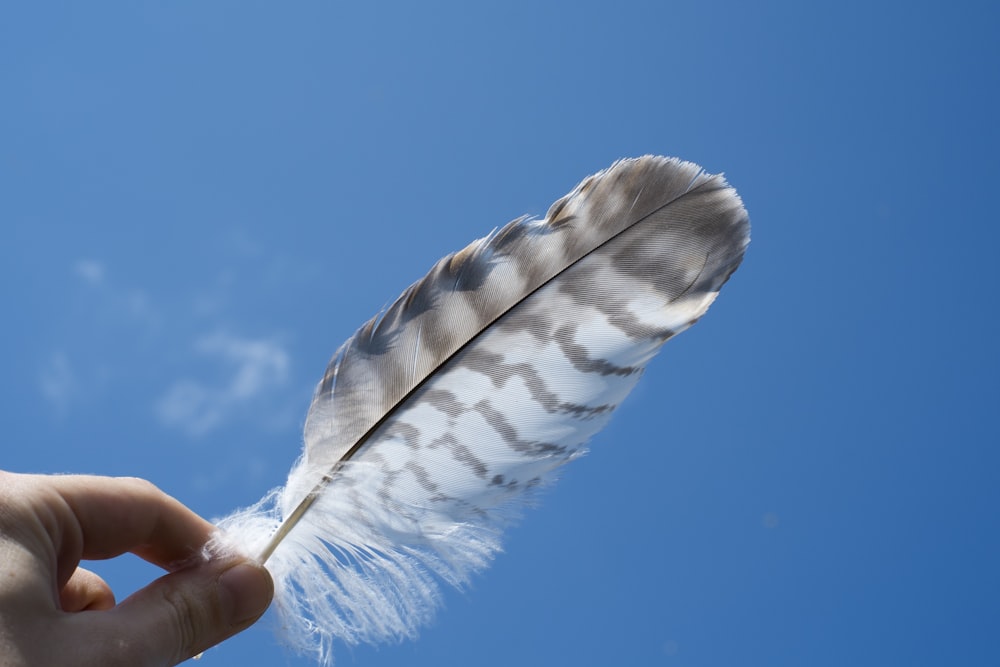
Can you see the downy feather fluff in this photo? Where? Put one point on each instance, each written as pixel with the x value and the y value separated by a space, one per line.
pixel 438 419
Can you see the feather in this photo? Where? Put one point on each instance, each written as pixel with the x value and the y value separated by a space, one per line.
pixel 443 415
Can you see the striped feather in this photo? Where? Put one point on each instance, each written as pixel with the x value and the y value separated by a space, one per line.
pixel 436 420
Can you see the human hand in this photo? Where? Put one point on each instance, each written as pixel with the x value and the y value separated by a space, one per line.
pixel 53 612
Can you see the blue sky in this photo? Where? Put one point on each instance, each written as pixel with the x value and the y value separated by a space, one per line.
pixel 200 201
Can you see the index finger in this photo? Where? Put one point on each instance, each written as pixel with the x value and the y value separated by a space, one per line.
pixel 103 517
pixel 120 514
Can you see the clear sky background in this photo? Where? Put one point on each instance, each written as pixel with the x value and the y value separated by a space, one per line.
pixel 199 201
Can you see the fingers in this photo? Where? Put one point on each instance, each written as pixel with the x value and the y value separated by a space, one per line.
pixel 178 616
pixel 120 514
pixel 85 591
pixel 47 524
pixel 61 519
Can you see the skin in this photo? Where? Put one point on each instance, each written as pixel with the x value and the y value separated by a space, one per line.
pixel 53 612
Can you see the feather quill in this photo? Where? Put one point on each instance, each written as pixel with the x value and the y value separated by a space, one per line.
pixel 441 416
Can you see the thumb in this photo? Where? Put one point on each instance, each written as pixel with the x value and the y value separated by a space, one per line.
pixel 183 613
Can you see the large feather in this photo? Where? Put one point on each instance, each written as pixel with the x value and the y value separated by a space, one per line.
pixel 438 418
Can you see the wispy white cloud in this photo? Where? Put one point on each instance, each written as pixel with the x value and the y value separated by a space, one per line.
pixel 116 340
pixel 100 325
pixel 117 303
pixel 254 369
pixel 58 382
pixel 90 271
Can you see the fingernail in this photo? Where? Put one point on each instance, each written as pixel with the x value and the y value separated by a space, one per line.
pixel 245 592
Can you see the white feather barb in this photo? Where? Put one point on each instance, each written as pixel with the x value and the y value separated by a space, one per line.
pixel 438 419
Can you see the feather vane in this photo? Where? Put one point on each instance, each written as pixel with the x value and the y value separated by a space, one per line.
pixel 440 417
